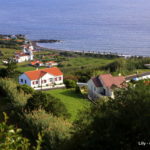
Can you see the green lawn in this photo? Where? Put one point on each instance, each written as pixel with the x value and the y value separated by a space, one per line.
pixel 73 101
pixel 80 63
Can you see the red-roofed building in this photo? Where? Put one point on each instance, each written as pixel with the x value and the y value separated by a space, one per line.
pixel 37 62
pixel 104 85
pixel 43 78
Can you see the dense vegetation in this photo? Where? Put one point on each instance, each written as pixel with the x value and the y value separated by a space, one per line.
pixel 120 123
pixel 55 130
pixel 12 139
pixel 50 104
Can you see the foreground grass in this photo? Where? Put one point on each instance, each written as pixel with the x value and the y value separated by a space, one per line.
pixel 74 102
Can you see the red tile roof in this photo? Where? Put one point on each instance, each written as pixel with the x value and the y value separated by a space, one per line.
pixel 36 62
pixel 110 81
pixel 37 74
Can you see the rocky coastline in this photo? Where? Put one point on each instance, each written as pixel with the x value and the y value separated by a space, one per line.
pixel 46 41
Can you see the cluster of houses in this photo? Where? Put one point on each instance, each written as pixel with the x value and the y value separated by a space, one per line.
pixel 38 63
pixel 28 55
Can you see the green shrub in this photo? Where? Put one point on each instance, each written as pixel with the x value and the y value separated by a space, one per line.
pixel 11 138
pixel 70 83
pixel 16 98
pixel 27 89
pixel 55 130
pixel 40 100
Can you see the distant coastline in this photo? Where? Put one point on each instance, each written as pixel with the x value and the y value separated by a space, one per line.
pixel 36 44
pixel 46 41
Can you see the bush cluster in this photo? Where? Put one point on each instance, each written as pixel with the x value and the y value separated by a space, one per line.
pixel 55 130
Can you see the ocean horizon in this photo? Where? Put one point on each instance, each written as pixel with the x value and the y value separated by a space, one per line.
pixel 91 25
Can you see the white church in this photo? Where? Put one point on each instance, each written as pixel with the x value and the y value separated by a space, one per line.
pixel 25 55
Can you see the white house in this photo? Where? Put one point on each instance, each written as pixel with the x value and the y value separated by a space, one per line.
pixel 43 78
pixel 51 63
pixel 104 85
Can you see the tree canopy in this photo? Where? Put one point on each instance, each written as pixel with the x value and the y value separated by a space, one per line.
pixel 40 100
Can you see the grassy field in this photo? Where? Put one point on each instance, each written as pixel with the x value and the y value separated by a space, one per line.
pixel 74 102
pixel 24 66
pixel 80 63
pixel 86 62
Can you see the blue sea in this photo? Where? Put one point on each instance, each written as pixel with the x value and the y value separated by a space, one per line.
pixel 121 26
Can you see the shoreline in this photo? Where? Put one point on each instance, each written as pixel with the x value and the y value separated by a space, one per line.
pixel 38 47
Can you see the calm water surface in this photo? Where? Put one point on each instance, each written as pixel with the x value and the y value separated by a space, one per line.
pixel 121 26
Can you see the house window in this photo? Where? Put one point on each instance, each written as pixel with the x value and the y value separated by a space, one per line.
pixel 51 79
pixel 33 82
pixel 59 78
pixel 55 79
pixel 44 81
pixel 37 82
pixel 25 81
pixel 21 80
